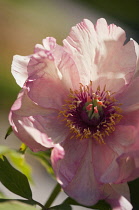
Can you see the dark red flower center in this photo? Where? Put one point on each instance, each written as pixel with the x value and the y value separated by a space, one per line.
pixel 90 114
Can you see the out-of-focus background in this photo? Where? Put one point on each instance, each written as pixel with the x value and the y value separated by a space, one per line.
pixel 24 23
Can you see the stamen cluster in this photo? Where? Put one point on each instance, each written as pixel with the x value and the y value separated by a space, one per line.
pixel 90 114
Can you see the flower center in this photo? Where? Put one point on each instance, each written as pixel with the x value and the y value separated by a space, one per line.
pixel 90 114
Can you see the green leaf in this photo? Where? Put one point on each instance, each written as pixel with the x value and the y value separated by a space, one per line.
pixel 9 131
pixel 17 159
pixel 63 206
pixel 14 180
pixel 30 202
pixel 101 205
pixel 15 205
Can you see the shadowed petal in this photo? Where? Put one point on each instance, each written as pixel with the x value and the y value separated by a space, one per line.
pixel 117 196
pixel 75 171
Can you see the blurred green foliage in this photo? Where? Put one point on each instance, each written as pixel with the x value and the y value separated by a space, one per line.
pixel 18 160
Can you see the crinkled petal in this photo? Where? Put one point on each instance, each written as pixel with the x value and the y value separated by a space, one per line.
pixel 69 71
pixel 19 69
pixel 42 63
pixel 49 43
pixel 117 196
pixel 99 51
pixel 75 171
pixel 62 63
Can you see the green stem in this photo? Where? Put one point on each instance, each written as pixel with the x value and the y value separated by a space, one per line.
pixel 53 195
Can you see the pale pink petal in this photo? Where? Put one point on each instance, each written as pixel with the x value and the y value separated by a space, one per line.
pixel 49 43
pixel 112 82
pixel 38 48
pixel 137 53
pixel 115 145
pixel 127 168
pixel 24 107
pixel 29 131
pixel 19 69
pixel 47 119
pixel 123 135
pixel 122 167
pixel 69 71
pixel 108 171
pixel 131 117
pixel 47 92
pixel 42 63
pixel 118 143
pixel 54 127
pixel 64 63
pixel 130 95
pixel 23 119
pixel 129 161
pixel 75 171
pixel 99 51
pixel 117 196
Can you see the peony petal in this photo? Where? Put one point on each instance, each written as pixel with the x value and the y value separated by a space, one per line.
pixel 19 69
pixel 24 107
pixel 53 126
pixel 107 156
pixel 75 171
pixel 112 82
pixel 69 71
pixel 23 118
pixel 114 195
pixel 130 95
pixel 47 92
pixel 99 51
pixel 47 119
pixel 78 44
pixel 42 63
pixel 131 117
pixel 137 53
pixel 64 63
pixel 116 144
pixel 29 131
pixel 123 135
pixel 121 141
pixel 49 43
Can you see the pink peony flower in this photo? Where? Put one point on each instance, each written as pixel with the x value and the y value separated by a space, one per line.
pixel 82 99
